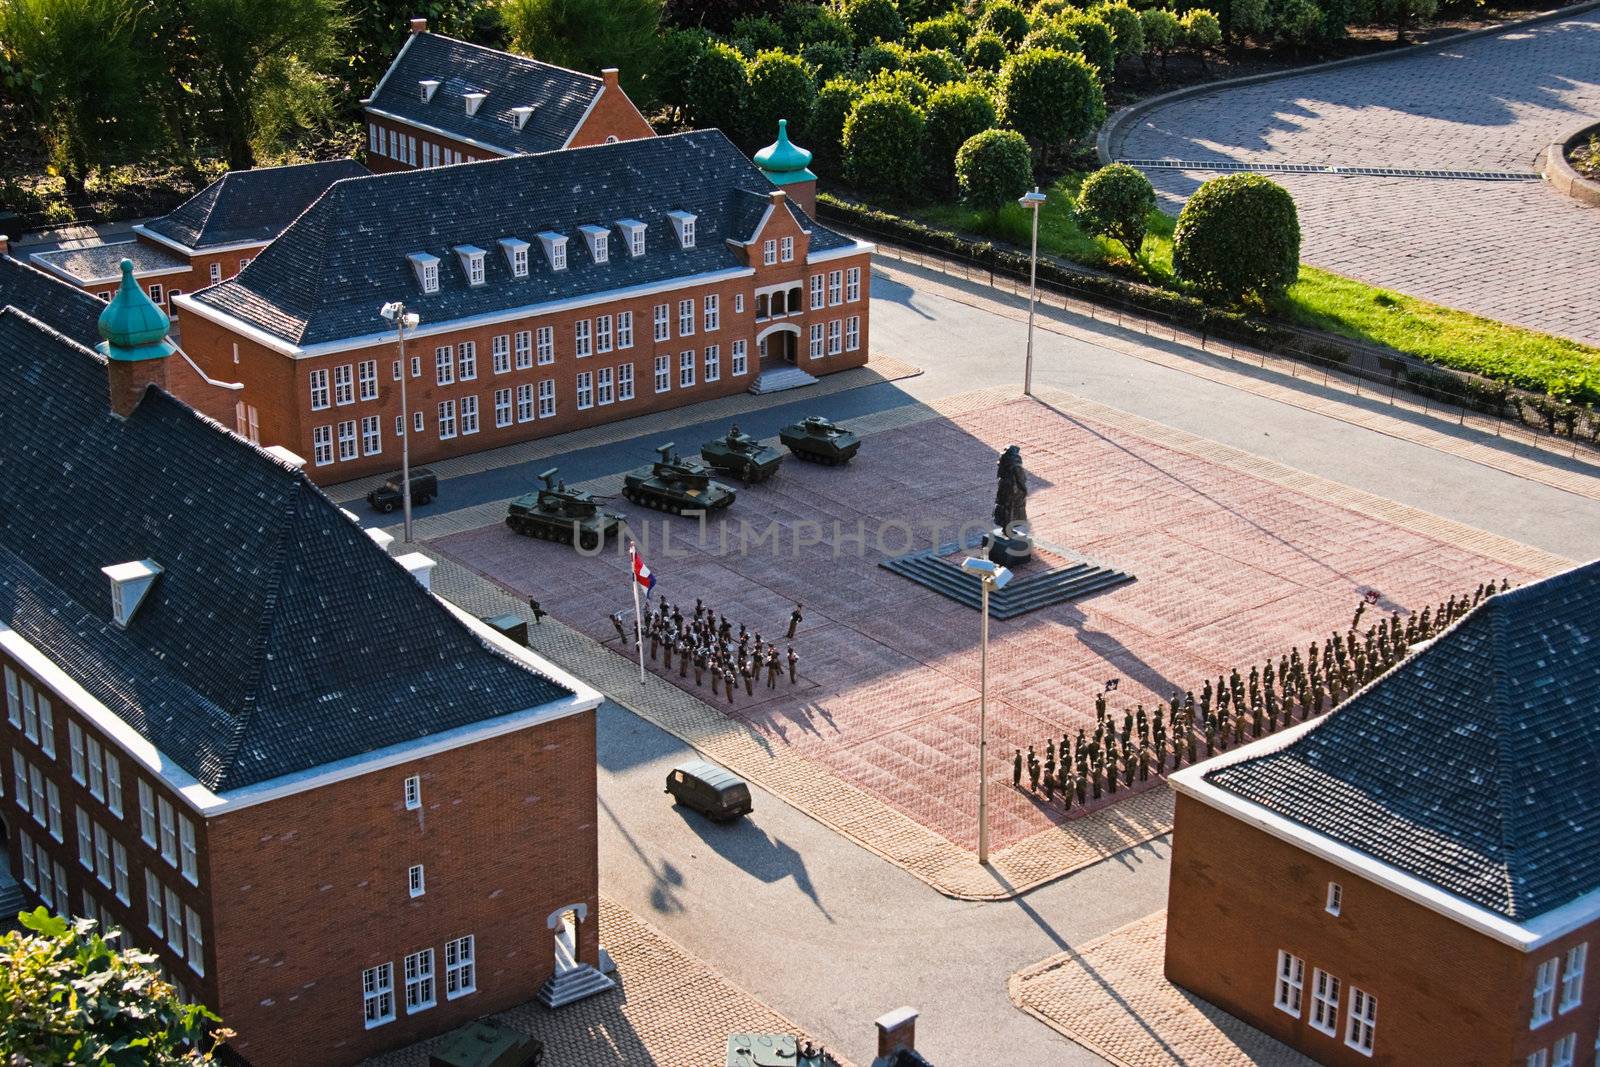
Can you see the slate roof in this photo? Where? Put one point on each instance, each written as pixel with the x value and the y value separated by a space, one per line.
pixel 251 205
pixel 278 638
pixel 57 303
pixel 103 263
pixel 1472 765
pixel 559 96
pixel 346 256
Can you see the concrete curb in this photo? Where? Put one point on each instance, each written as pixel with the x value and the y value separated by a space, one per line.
pixel 1126 116
pixel 1560 175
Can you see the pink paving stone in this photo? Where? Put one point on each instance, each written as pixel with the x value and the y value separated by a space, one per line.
pixel 1231 569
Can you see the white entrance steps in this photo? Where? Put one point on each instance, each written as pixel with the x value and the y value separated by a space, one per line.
pixel 779 379
pixel 572 984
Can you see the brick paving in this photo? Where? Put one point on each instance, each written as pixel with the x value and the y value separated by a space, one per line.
pixel 1110 996
pixel 1237 557
pixel 670 1009
pixel 1512 251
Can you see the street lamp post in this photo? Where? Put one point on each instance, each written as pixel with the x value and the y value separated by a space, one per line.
pixel 1033 201
pixel 991 576
pixel 396 312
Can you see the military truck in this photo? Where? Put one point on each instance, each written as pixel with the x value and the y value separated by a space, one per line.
pixel 556 513
pixel 817 440
pixel 742 456
pixel 390 495
pixel 674 484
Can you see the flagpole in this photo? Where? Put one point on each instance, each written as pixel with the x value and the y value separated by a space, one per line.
pixel 638 624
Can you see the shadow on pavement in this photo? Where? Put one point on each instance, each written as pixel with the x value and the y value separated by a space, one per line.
pixel 754 851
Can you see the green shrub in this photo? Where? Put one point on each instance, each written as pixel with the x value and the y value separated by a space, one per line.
pixel 825 133
pixel 1054 36
pixel 717 88
pixel 1097 43
pixel 813 24
pixel 1006 20
pixel 1162 31
pixel 1238 235
pixel 901 82
pixel 1299 21
pixel 1051 98
pixel 881 136
pixel 873 20
pixel 993 168
pixel 1248 18
pixel 885 55
pixel 955 113
pixel 760 31
pixel 986 51
pixel 934 33
pixel 1126 27
pixel 1048 11
pixel 935 67
pixel 676 55
pixel 826 59
pixel 780 88
pixel 1201 30
pixel 1115 202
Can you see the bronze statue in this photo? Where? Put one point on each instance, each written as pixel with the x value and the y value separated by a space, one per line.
pixel 1011 495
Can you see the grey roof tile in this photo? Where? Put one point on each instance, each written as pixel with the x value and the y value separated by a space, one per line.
pixel 103 263
pixel 251 205
pixel 57 303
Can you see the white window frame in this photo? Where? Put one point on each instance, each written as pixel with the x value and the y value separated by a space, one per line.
pixel 188 851
pixel 119 869
pixel 216 273
pixel 686 317
pixel 1324 1002
pixel 371 435
pixel 169 831
pixel 447 419
pixel 602 333
pixel 412 792
pixel 154 918
pixel 769 252
pixel 500 353
pixel 1565 1051
pixel 663 373
pixel 711 313
pixel 818 299
pixel 174 920
pixel 582 339
pixel 815 348
pixel 75 749
pixel 30 713
pixel 319 390
pixel 322 445
pixel 467 363
pixel 377 995
pixel 97 770
pixel 663 323
pixel 53 802
pixel 686 369
pixel 852 285
pixel 460 967
pixel 469 414
pixel 13 698
pixel 624 382
pixel 113 771
pixel 194 942
pixel 367 379
pixel 502 408
pixel 47 726
pixel 585 390
pixel 1361 1021
pixel 19 778
pixel 835 287
pixel 444 365
pixel 1577 960
pixel 147 813
pixel 1335 899
pixel 546 345
pixel 1539 1058
pixel 852 333
pixel 523 349
pixel 416 880
pixel 1288 991
pixel 25 848
pixel 525 402
pixel 348 448
pixel 713 371
pixel 605 386
pixel 786 249
pixel 547 398
pixel 740 358
pixel 421 991
pixel 835 337
pixel 738 303
pixel 624 329
pixel 1544 992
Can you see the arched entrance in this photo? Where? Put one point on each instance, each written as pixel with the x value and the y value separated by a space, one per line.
pixel 778 346
pixel 574 977
pixel 564 923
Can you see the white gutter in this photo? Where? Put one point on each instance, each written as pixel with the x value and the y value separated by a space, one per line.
pixel 179 246
pixel 63 273
pixel 856 249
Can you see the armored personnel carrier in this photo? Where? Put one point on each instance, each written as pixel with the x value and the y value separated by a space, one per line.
pixel 556 513
pixel 817 440
pixel 742 456
pixel 676 485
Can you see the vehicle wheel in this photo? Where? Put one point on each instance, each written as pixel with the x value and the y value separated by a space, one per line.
pixel 424 501
pixel 387 507
pixel 588 541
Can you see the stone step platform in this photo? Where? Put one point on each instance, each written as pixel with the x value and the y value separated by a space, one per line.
pixel 573 984
pixel 779 379
pixel 1024 594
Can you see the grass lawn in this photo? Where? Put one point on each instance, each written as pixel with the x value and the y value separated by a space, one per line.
pixel 1320 299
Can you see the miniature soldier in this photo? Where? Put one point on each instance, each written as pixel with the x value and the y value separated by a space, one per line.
pixel 774 668
pixel 1016 769
pixel 677 617
pixel 725 631
pixel 727 682
pixel 1049 786
pixel 1049 760
pixel 759 645
pixel 1033 770
pixel 699 664
pixel 794 660
pixel 744 635
pixel 655 639
pixel 538 612
pixel 795 619
pixel 699 609
pixel 749 678
pixel 616 620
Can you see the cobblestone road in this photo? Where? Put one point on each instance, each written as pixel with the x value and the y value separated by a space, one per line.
pixel 1514 251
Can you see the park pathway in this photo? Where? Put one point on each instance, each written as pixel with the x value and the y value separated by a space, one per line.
pixel 1510 250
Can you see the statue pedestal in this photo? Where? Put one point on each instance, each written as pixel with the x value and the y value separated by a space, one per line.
pixel 1009 550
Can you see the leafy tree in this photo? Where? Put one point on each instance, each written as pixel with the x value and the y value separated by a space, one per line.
pixel 1201 30
pixel 762 32
pixel 1051 98
pixel 825 132
pixel 986 51
pixel 71 998
pixel 1096 42
pixel 883 132
pixel 717 16
pixel 1297 21
pixel 1126 27
pixel 1049 10
pixel 717 86
pixel 780 87
pixel 676 55
pixel 1006 20
pixel 826 60
pixel 936 33
pixel 1115 201
pixel 586 36
pixel 1247 18
pixel 902 83
pixel 993 168
pixel 1162 33
pixel 377 28
pixel 880 56
pixel 1238 235
pixel 811 24
pixel 955 113
pixel 1054 36
pixel 935 67
pixel 1405 13
pixel 873 20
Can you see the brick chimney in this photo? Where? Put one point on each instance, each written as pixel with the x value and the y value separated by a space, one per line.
pixel 136 346
pixel 419 25
pixel 612 77
pixel 897 1030
pixel 5 245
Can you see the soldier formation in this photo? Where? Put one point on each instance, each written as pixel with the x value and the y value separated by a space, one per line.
pixel 705 643
pixel 1235 709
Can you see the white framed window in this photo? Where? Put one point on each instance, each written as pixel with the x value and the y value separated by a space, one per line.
pixel 418 422
pixel 713 363
pixel 347 440
pixel 769 252
pixel 468 363
pixel 712 313
pixel 816 340
pixel 473 261
pixel 119 869
pixel 416 880
pixel 683 222
pixel 835 282
pixel 1335 898
pixel 319 390
pixel 47 727
pixel 113 774
pixel 1571 976
pixel 36 795
pixel 519 261
pixel 444 365
pixel 786 249
pixel 525 402
pixel 377 994
pixel 818 300
pixel 599 246
pixel 64 904
pixel 46 883
pixel 75 752
pixel 663 373
pixel 602 333
pixel 399 425
pixel 547 398
pixel 155 292
pixel 1362 1023
pixel 460 967
pixel 835 345
pixel 636 240
pixel 97 773
pixel 1544 992
pixel 604 386
pixel 419 981
pixel 19 779
pixel 738 303
pixel 30 714
pixel 686 369
pixel 1325 1002
pixel 147 813
pixel 152 904
pixel 416 366
pixel 1291 982
pixel 194 946
pixel 555 249
pixel 624 329
pixel 547 345
pixel 344 385
pixel 371 436
pixel 852 333
pixel 413 792
pixel 585 390
pixel 216 273
pixel 367 376
pixel 524 349
pixel 13 698
pixel 500 353
pixel 1539 1058
pixel 582 344
pixel 322 445
pixel 30 877
pixel 53 800
pixel 852 284
pixel 502 408
pixel 1565 1052
pixel 469 415
pixel 188 856
pixel 624 381
pixel 447 419
pixel 102 855
pixel 169 831
pixel 686 317
pixel 663 323
pixel 740 359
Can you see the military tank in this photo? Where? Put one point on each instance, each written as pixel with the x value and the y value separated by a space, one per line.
pixel 817 440
pixel 556 513
pixel 676 485
pixel 742 456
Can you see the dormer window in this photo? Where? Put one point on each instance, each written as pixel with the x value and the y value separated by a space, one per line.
pixel 555 249
pixel 520 116
pixel 471 262
pixel 129 583
pixel 427 269
pixel 683 224
pixel 427 87
pixel 516 252
pixel 598 238
pixel 633 233
pixel 473 101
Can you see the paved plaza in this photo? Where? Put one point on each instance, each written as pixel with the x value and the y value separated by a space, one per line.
pixel 1513 251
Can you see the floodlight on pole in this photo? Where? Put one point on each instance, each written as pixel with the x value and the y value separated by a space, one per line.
pixel 395 312
pixel 1033 201
pixel 991 576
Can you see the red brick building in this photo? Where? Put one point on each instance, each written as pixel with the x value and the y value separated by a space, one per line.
pixel 1413 878
pixel 341 812
pixel 444 101
pixel 555 291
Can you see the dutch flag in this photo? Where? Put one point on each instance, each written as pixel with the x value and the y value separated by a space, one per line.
pixel 642 574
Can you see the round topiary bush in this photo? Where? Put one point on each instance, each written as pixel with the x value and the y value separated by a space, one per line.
pixel 1201 30
pixel 1299 21
pixel 1052 98
pixel 1238 235
pixel 938 67
pixel 885 55
pixel 780 87
pixel 934 33
pixel 986 51
pixel 1126 27
pixel 994 168
pixel 762 32
pixel 873 20
pixel 826 60
pixel 717 87
pixel 1097 43
pixel 1114 202
pixel 808 24
pixel 1162 32
pixel 1006 20
pixel 825 132
pixel 955 113
pixel 881 136
pixel 902 83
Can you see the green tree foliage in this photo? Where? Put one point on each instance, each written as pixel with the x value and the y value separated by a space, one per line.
pixel 935 67
pixel 937 33
pixel 812 24
pixel 873 20
pixel 586 36
pixel 1096 41
pixel 902 83
pixel 1126 27
pixel 1238 235
pixel 826 60
pixel 780 87
pixel 880 56
pixel 993 168
pixel 1052 35
pixel 1005 20
pixel 717 87
pixel 376 28
pixel 1297 21
pixel 883 132
pixel 955 113
pixel 1051 98
pixel 1248 18
pixel 1404 14
pixel 676 55
pixel 1115 202
pixel 1162 32
pixel 1201 30
pixel 986 51
pixel 1049 10
pixel 762 32
pixel 825 133
pixel 71 998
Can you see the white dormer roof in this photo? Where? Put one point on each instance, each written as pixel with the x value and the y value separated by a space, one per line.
pixel 473 100
pixel 429 86
pixel 683 225
pixel 427 269
pixel 129 583
pixel 555 248
pixel 472 262
pixel 633 233
pixel 598 239
pixel 521 115
pixel 511 246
